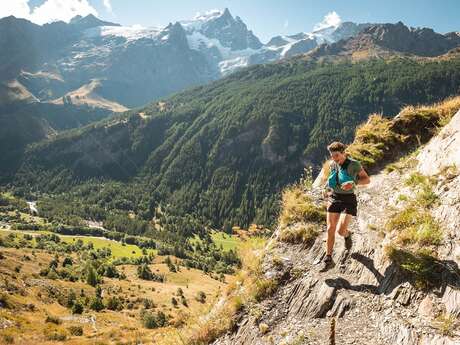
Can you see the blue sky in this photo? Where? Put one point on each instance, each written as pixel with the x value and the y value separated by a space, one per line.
pixel 266 18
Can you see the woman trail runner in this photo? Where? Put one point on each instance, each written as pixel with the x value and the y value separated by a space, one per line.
pixel 345 174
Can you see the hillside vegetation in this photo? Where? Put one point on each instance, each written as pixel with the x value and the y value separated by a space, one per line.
pixel 218 155
pixel 22 124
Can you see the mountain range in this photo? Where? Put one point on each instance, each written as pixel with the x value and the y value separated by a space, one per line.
pixel 135 65
pixel 132 66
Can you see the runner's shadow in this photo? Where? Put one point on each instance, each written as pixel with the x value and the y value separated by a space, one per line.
pixel 436 276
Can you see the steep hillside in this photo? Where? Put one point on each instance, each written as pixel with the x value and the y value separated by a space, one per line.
pixel 384 40
pixel 23 123
pixel 88 95
pixel 400 282
pixel 80 282
pixel 57 289
pixel 13 92
pixel 220 153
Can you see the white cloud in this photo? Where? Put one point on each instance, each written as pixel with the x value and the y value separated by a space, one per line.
pixel 107 5
pixel 18 8
pixel 49 11
pixel 208 14
pixel 330 19
pixel 53 10
pixel 286 24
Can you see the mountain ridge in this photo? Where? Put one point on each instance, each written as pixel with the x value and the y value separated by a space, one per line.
pixel 388 39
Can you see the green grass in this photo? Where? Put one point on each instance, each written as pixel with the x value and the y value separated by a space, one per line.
pixel 28 232
pixel 417 179
pixel 414 223
pixel 373 139
pixel 118 250
pixel 415 226
pixel 7 195
pixel 298 207
pixel 403 197
pixel 417 233
pixel 422 266
pixel 446 324
pixel 221 238
pixel 425 196
pixel 227 241
pixel 378 139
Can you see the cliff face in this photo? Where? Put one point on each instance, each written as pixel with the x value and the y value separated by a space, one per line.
pixel 400 282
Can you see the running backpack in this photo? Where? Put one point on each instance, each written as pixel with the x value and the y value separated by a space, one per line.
pixel 339 174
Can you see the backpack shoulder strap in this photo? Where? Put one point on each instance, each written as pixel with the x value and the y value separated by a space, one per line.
pixel 335 167
pixel 346 163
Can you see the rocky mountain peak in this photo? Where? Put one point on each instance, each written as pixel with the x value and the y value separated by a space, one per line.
pixel 90 21
pixel 76 19
pixel 419 41
pixel 277 41
pixel 348 29
pixel 175 33
pixel 231 32
pixel 390 39
pixel 227 14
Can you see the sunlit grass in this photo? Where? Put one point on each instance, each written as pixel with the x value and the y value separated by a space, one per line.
pixel 421 264
pixel 220 238
pixel 297 206
pixel 248 287
pixel 118 249
pixel 380 137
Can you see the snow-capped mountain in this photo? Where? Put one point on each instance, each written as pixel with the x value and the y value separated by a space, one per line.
pixel 303 42
pixel 230 32
pixel 225 41
pixel 134 65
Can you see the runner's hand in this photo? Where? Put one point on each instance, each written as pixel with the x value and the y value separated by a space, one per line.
pixel 347 185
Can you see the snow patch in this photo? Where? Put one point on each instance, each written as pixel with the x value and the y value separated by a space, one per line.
pixel 284 49
pixel 324 35
pixel 131 33
pixel 197 41
pixel 231 59
pixel 200 19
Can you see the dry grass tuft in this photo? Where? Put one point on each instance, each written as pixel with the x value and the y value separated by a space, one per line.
pixel 250 286
pixel 297 207
pixel 299 234
pixel 380 139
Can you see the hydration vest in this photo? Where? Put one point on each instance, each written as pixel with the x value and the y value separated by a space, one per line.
pixel 339 174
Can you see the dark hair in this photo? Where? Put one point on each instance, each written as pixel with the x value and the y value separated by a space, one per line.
pixel 336 146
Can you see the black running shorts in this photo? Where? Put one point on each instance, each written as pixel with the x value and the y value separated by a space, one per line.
pixel 339 203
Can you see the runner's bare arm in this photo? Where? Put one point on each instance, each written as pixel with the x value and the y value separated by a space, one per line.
pixel 363 177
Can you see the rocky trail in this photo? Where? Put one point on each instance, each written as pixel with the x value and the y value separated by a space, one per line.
pixel 373 300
